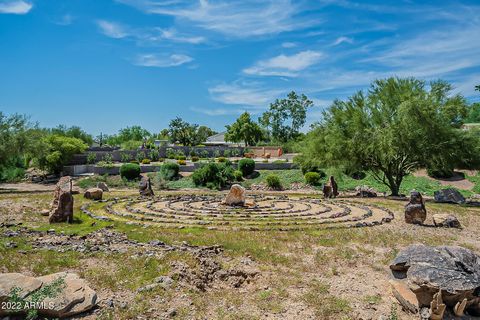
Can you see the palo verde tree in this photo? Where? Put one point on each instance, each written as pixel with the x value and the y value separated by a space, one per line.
pixel 286 117
pixel 397 126
pixel 244 130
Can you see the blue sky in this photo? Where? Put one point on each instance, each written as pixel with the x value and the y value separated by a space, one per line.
pixel 107 64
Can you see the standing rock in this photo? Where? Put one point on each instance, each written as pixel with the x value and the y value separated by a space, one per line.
pixel 449 196
pixel 446 220
pixel 93 194
pixel 102 185
pixel 330 189
pixel 415 211
pixel 62 202
pixel 145 187
pixel 236 196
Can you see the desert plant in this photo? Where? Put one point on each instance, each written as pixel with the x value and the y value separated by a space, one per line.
pixel 180 157
pixel 247 166
pixel 195 159
pixel 107 157
pixel 125 157
pixel 140 156
pixel 227 153
pixel 217 153
pixel 313 178
pixel 169 171
pixel 213 175
pixel 130 171
pixel 238 175
pixel 273 182
pixel 146 161
pixel 154 155
pixel 222 159
pixel 91 158
pixel 170 153
pixel 182 162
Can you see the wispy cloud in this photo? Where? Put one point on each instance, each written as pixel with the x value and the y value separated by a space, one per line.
pixel 238 19
pixel 15 6
pixel 217 111
pixel 341 40
pixel 112 29
pixel 283 65
pixel 173 35
pixel 65 20
pixel 246 93
pixel 161 61
pixel 289 45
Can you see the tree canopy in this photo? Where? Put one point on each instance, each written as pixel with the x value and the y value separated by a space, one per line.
pixel 183 132
pixel 396 127
pixel 244 130
pixel 286 117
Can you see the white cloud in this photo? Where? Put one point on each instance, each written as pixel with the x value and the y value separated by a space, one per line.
pixel 161 61
pixel 217 111
pixel 341 40
pixel 251 94
pixel 174 35
pixel 65 20
pixel 238 19
pixel 289 45
pixel 283 65
pixel 15 6
pixel 112 29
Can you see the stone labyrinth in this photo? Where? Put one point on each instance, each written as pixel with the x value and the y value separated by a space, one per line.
pixel 263 213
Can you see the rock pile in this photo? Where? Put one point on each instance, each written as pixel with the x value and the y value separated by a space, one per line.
pixel 65 294
pixel 415 211
pixel 62 201
pixel 432 279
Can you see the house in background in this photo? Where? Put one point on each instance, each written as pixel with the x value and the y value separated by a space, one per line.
pixel 219 140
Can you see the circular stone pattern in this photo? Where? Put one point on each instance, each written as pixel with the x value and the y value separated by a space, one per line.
pixel 262 213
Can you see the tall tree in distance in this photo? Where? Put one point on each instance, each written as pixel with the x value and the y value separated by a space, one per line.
pixel 244 130
pixel 183 132
pixel 286 117
pixel 203 132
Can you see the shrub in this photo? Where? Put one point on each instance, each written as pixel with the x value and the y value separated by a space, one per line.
pixel 238 175
pixel 126 157
pixel 108 158
pixel 311 167
pixel 195 158
pixel 154 155
pixel 247 166
pixel 161 159
pixel 170 153
pixel 273 181
pixel 180 157
pixel 91 158
pixel 313 178
pixel 227 153
pixel 222 159
pixel 213 175
pixel 57 151
pixel 169 171
pixel 265 160
pixel 217 153
pixel 130 171
pixel 135 161
pixel 140 156
pixel 182 162
pixel 440 173
pixel 146 161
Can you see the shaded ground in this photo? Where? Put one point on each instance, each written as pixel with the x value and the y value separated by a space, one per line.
pixel 457 181
pixel 316 274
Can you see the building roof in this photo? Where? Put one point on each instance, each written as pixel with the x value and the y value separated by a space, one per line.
pixel 217 138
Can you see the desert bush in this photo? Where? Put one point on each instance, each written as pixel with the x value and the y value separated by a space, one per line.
pixel 273 182
pixel 181 158
pixel 91 158
pixel 238 175
pixel 146 161
pixel 195 158
pixel 125 157
pixel 135 161
pixel 311 167
pixel 182 162
pixel 169 171
pixel 247 166
pixel 213 175
pixel 227 153
pixel 170 153
pixel 56 151
pixel 154 155
pixel 107 157
pixel 313 178
pixel 161 159
pixel 222 159
pixel 140 156
pixel 130 171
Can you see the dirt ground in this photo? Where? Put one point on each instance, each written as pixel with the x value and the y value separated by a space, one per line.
pixel 319 274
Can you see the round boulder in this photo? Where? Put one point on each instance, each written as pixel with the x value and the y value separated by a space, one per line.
pixel 93 194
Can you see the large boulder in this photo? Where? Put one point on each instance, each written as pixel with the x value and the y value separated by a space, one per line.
pixel 446 220
pixel 450 274
pixel 415 211
pixel 365 192
pixel 236 196
pixel 449 196
pixel 93 194
pixel 70 295
pixel 62 210
pixel 145 187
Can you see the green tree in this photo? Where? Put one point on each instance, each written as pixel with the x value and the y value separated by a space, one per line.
pixel 73 132
pixel 244 130
pixel 183 132
pixel 133 133
pixel 286 116
pixel 395 128
pixel 54 151
pixel 203 132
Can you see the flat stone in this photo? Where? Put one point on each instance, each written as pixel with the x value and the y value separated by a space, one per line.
pixel 8 281
pixel 405 296
pixel 449 196
pixel 446 220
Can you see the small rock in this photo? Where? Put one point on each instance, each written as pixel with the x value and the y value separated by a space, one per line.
pixel 93 194
pixel 103 186
pixel 405 296
pixel 446 220
pixel 45 212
